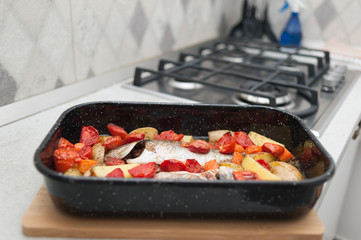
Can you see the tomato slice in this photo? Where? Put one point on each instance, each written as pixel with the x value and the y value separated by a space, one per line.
pixel 116 173
pixel 172 165
pixel 210 165
pixel 133 137
pixel 243 139
pixel 65 144
pixel 226 143
pixel 253 149
pixel 193 166
pixel 112 161
pixel 65 159
pixel 144 170
pixel 199 146
pixel 169 135
pixel 237 158
pixel 89 135
pixel 115 130
pixel 245 175
pixel 86 152
pixel 112 142
pixel 274 149
pixel 264 164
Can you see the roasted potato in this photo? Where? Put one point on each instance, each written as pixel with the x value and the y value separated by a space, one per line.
pixel 286 171
pixel 214 136
pixel 268 157
pixel 148 132
pixel 73 172
pixel 98 152
pixel 259 139
pixel 102 171
pixel 187 139
pixel 249 164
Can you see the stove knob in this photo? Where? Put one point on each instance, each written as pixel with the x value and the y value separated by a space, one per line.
pixel 330 83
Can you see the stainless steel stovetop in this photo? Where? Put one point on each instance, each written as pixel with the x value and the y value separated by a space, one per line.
pixel 300 80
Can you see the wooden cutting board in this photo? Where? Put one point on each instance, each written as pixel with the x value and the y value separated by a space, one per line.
pixel 43 219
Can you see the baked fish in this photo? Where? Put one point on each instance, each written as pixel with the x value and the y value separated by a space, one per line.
pixel 157 151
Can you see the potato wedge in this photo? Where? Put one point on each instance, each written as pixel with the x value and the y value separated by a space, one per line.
pixel 286 171
pixel 249 164
pixel 268 157
pixel 148 132
pixel 98 152
pixel 73 172
pixel 187 139
pixel 102 171
pixel 259 139
pixel 213 136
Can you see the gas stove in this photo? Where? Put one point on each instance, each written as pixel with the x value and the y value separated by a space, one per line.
pixel 251 72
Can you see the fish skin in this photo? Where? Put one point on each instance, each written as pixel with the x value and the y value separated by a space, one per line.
pixel 159 150
pixel 209 175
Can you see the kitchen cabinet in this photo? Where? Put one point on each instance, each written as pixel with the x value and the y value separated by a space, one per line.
pixel 341 199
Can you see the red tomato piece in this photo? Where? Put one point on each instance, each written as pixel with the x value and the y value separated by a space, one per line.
pixel 65 159
pixel 243 139
pixel 112 142
pixel 86 152
pixel 226 143
pixel 115 130
pixel 193 166
pixel 65 144
pixel 112 161
pixel 172 165
pixel 237 158
pixel 185 144
pixel 89 135
pixel 78 146
pixel 144 170
pixel 116 173
pixel 199 146
pixel 274 149
pixel 264 164
pixel 245 175
pixel 133 137
pixel 169 135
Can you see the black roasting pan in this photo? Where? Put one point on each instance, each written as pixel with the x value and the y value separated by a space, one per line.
pixel 93 196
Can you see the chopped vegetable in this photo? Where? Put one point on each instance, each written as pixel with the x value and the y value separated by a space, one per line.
pixel 116 173
pixel 264 164
pixel 65 159
pixel 210 165
pixel 193 166
pixel 172 165
pixel 112 142
pixel 226 144
pixel 65 144
pixel 149 132
pixel 237 158
pixel 112 161
pixel 199 146
pixel 144 170
pixel 98 152
pixel 273 148
pixel 133 137
pixel 253 149
pixel 115 130
pixel 86 152
pixel 169 135
pixel 243 139
pixel 250 164
pixel 102 171
pixel 245 175
pixel 89 135
pixel 85 164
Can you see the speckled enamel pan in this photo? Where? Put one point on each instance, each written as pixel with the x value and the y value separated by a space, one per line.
pixel 185 198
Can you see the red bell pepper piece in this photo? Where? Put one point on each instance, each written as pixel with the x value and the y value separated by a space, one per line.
pixel 285 155
pixel 237 158
pixel 274 149
pixel 243 139
pixel 199 146
pixel 112 142
pixel 172 165
pixel 115 130
pixel 116 173
pixel 89 135
pixel 169 135
pixel 264 164
pixel 245 175
pixel 193 166
pixel 253 149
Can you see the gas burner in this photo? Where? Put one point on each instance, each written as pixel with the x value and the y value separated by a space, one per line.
pixel 283 97
pixel 236 56
pixel 184 85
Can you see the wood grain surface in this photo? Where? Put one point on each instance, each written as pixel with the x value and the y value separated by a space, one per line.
pixel 43 219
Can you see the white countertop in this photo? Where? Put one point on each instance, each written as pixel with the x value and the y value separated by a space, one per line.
pixel 19 140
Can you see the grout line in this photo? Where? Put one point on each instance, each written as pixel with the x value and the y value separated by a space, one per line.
pixel 73 42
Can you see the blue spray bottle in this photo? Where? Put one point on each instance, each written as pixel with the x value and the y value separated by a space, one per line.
pixel 292 33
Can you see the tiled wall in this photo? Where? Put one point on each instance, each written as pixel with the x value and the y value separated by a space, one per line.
pixel 326 20
pixel 46 44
